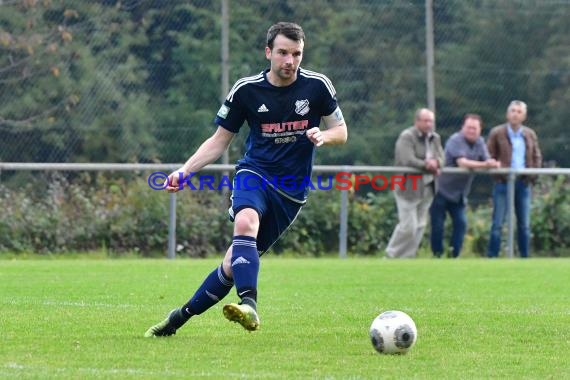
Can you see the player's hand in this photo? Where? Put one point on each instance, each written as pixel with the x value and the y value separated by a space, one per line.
pixel 173 182
pixel 316 136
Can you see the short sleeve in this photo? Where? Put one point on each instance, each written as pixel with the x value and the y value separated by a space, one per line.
pixel 484 151
pixel 330 106
pixel 455 150
pixel 329 103
pixel 231 115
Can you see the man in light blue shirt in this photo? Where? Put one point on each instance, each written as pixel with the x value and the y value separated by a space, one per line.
pixel 517 141
pixel 514 146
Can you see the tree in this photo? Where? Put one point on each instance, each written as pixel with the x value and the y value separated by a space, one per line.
pixel 74 85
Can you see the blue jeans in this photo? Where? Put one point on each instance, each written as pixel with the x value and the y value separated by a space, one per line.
pixel 438 211
pixel 522 213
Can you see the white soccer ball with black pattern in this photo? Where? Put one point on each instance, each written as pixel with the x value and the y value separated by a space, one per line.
pixel 393 332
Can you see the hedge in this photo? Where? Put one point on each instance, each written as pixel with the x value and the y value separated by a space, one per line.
pixel 121 214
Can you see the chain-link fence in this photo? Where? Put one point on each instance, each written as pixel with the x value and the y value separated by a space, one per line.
pixel 140 80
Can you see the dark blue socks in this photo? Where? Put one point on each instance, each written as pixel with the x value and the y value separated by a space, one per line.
pixel 245 266
pixel 215 287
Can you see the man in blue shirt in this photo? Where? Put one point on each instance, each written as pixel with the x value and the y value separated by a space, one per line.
pixel 464 149
pixel 283 106
pixel 515 146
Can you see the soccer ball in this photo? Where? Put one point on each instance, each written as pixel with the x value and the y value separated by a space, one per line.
pixel 393 332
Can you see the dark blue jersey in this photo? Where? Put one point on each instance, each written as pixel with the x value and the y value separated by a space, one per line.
pixel 277 147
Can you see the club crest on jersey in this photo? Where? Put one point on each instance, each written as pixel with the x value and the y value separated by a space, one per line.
pixel 302 107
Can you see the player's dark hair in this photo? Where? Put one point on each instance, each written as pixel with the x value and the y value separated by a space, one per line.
pixel 290 30
pixel 473 116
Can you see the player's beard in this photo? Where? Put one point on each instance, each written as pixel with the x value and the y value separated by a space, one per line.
pixel 286 73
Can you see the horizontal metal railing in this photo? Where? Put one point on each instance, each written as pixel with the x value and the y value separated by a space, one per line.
pixel 343 230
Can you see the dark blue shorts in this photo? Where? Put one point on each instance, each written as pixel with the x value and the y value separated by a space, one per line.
pixel 276 212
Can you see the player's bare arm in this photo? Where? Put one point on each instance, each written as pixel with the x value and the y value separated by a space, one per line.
pixel 335 132
pixel 207 153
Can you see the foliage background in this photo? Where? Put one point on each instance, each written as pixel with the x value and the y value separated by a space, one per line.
pixel 123 216
pixel 140 81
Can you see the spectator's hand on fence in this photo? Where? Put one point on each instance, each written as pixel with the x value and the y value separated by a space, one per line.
pixel 493 164
pixel 432 166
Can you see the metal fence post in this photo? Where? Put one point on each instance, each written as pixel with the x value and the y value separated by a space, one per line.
pixel 430 60
pixel 510 213
pixel 172 226
pixel 343 230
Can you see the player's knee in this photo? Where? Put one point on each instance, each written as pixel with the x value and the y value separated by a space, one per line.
pixel 246 223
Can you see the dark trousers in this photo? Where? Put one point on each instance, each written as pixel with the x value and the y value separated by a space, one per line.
pixel 440 207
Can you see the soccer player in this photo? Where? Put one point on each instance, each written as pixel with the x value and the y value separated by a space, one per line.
pixel 283 106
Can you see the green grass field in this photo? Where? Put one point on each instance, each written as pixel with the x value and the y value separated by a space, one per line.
pixel 476 319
